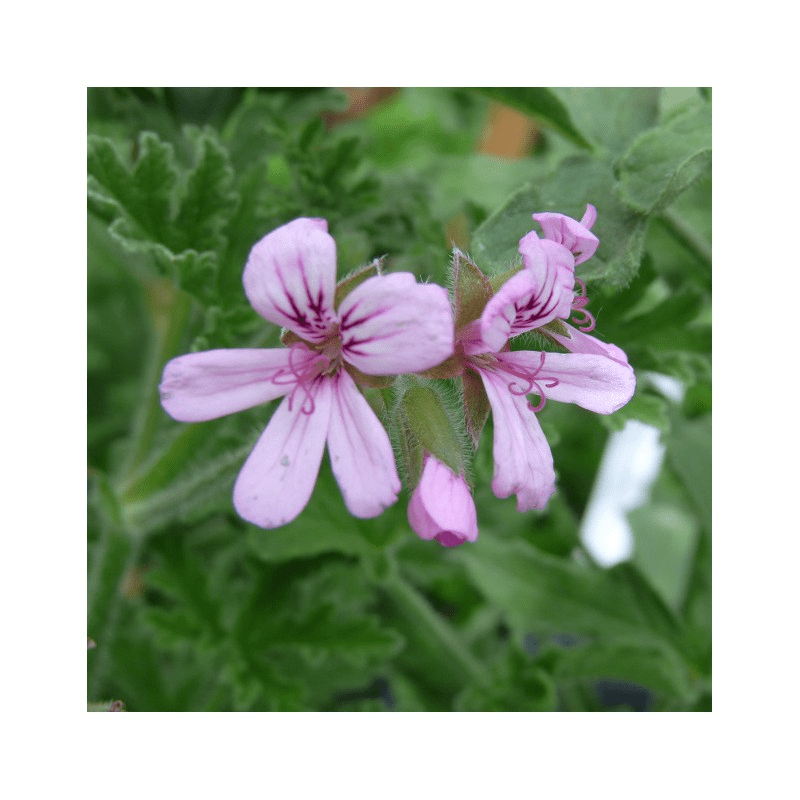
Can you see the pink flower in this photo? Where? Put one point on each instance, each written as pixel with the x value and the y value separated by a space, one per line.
pixel 388 324
pixel 442 507
pixel 573 235
pixel 598 377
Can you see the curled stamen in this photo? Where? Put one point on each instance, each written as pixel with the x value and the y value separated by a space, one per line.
pixel 531 385
pixel 520 391
pixel 582 318
pixel 302 376
pixel 541 404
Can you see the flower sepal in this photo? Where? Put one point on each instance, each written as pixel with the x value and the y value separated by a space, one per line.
pixel 349 282
pixel 430 430
pixel 472 289
pixel 449 368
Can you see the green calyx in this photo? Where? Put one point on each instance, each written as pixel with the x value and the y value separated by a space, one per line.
pixel 346 285
pixel 472 289
pixel 431 427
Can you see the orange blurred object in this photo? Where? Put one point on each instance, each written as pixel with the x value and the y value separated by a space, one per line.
pixel 507 133
pixel 360 101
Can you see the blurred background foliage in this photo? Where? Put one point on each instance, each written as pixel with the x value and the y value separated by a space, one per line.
pixel 192 609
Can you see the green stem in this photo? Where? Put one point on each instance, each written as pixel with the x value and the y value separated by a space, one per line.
pixel 116 555
pixel 686 236
pixel 170 310
pixel 433 628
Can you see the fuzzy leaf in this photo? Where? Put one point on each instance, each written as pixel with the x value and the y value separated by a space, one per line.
pixel 141 198
pixel 610 117
pixel 543 594
pixel 323 635
pixel 210 197
pixel 139 206
pixel 664 162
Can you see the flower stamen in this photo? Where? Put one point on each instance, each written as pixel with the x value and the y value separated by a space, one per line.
pixel 532 384
pixel 302 376
pixel 582 318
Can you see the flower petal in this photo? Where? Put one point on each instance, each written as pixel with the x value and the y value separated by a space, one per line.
pixel 201 386
pixel 448 503
pixel 290 277
pixel 360 451
pixel 574 235
pixel 594 382
pixel 523 463
pixel 580 342
pixel 533 297
pixel 419 519
pixel 391 324
pixel 278 477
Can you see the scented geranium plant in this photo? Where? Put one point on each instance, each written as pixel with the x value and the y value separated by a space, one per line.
pixel 465 349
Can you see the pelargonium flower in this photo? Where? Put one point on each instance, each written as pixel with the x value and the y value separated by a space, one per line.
pixel 442 507
pixel 388 324
pixel 595 380
pixel 582 243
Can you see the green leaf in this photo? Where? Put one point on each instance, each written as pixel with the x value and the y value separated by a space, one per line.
pixel 541 104
pixel 143 196
pixel 645 407
pixel 210 198
pixel 198 490
pixel 664 162
pixel 323 635
pixel 653 667
pixel 690 454
pixel 610 117
pixel 141 207
pixel 543 594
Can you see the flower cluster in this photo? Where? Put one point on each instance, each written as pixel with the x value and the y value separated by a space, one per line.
pixel 372 325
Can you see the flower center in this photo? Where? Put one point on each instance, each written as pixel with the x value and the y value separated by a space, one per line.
pixel 307 366
pixel 331 348
pixel 531 382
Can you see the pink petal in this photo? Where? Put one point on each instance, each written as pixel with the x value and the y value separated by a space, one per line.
pixel 533 297
pixel 574 235
pixel 202 386
pixel 579 342
pixel 593 382
pixel 523 463
pixel 442 507
pixel 360 451
pixel 278 477
pixel 290 278
pixel 391 324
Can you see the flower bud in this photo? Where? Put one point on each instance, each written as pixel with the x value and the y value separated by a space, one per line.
pixel 442 507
